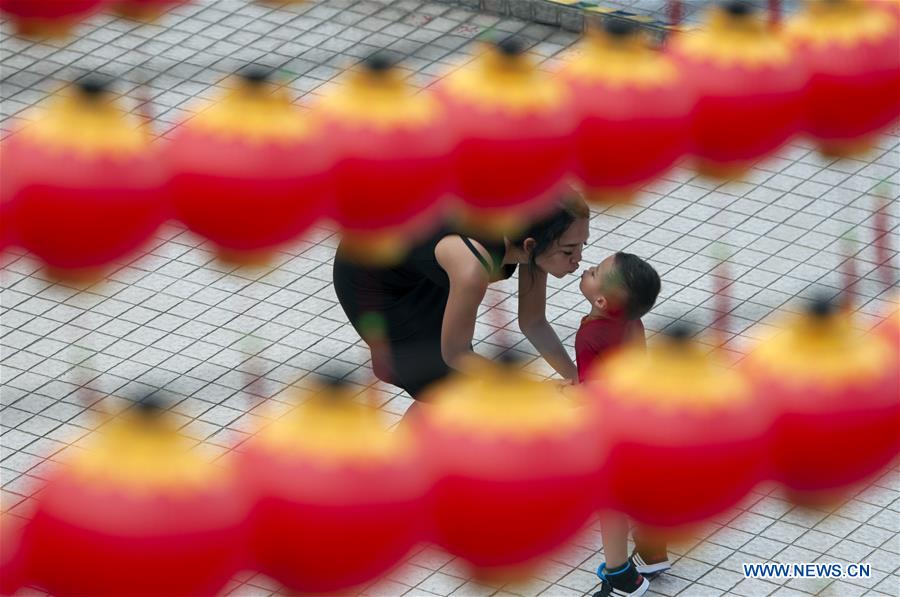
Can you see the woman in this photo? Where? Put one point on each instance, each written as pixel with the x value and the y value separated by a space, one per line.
pixel 418 317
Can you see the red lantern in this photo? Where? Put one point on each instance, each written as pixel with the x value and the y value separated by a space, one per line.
pixel 838 403
pixel 86 185
pixel 634 107
pixel 139 514
pixel 516 127
pixel 851 52
pixel 697 421
pixel 890 327
pixel 339 499
pixel 251 171
pixel 892 6
pixel 11 556
pixel 750 89
pixel 145 10
pixel 517 469
pixel 48 18
pixel 393 168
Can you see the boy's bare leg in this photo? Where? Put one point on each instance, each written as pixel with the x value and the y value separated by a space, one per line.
pixel 650 550
pixel 618 576
pixel 614 531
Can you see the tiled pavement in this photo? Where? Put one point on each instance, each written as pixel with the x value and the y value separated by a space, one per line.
pixel 222 341
pixel 575 15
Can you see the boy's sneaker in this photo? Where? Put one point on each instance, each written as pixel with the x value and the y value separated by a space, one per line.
pixel 649 559
pixel 621 582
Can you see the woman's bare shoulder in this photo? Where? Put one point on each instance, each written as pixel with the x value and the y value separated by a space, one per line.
pixel 459 262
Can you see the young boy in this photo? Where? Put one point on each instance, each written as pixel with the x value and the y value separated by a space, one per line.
pixel 621 290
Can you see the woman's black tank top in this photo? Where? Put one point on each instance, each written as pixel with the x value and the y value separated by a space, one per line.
pixel 421 262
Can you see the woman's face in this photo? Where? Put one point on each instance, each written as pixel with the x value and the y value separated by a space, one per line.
pixel 564 256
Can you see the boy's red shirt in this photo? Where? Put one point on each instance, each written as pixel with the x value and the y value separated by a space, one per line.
pixel 597 337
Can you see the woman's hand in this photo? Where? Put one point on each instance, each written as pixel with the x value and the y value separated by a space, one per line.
pixel 567 388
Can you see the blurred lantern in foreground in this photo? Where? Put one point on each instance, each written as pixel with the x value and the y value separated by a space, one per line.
pixel 251 171
pixel 137 514
pixel 11 555
pixel 48 18
pixel 634 107
pixel 838 403
pixel 891 6
pixel 890 327
pixel 86 185
pixel 852 52
pixel 145 10
pixel 694 423
pixel 339 499
pixel 515 125
pixel 393 167
pixel 750 89
pixel 517 468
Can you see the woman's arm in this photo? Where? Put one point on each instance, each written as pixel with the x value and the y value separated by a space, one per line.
pixel 533 322
pixel 468 285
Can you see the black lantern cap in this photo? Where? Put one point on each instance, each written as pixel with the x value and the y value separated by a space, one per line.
pixel 150 407
pixel 619 27
pixel 255 74
pixel 94 85
pixel 738 8
pixel 510 359
pixel 380 61
pixel 331 381
pixel 511 46
pixel 678 332
pixel 821 307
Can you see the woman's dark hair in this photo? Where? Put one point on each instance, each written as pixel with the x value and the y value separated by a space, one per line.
pixel 548 229
pixel 641 283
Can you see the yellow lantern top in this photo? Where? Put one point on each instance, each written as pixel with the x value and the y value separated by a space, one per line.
pixel 87 120
pixel 333 428
pixel 142 451
pixel 255 110
pixel 842 22
pixel 619 55
pixel 505 78
pixel 735 35
pixel 375 95
pixel 672 375
pixel 498 401
pixel 822 348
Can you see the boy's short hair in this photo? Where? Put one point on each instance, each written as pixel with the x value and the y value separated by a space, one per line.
pixel 641 283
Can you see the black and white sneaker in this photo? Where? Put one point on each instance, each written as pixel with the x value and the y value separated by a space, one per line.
pixel 621 582
pixel 650 563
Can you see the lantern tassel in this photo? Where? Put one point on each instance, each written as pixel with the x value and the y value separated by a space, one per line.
pixel 722 280
pixel 775 12
pixel 145 104
pixel 676 12
pixel 850 277
pixel 883 240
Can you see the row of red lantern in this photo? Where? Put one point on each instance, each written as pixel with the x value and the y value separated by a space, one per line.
pixel 498 469
pixel 55 18
pixel 253 171
pixel 816 408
